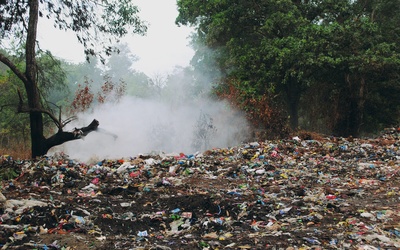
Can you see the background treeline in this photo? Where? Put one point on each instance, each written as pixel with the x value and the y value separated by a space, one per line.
pixel 78 87
pixel 330 66
pixel 326 66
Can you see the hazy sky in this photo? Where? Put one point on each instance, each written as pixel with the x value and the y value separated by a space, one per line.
pixel 164 46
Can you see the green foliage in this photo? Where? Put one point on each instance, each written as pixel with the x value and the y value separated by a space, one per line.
pixel 14 128
pixel 120 67
pixel 97 24
pixel 363 60
pixel 8 173
pixel 137 85
pixel 341 51
pixel 51 76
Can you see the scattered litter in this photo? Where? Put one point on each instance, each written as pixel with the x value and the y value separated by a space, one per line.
pixel 330 193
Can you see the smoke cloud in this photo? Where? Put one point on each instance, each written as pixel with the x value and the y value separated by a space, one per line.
pixel 144 126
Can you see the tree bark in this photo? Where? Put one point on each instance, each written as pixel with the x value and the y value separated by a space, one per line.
pixel 31 87
pixel 351 106
pixel 293 92
pixel 357 101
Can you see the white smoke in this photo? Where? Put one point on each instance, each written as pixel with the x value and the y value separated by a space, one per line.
pixel 144 126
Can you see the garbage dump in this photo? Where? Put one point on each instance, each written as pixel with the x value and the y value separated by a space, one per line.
pixel 297 193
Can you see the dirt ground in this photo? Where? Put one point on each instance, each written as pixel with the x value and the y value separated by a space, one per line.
pixel 334 193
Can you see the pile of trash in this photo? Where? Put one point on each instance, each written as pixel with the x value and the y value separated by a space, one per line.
pixel 330 193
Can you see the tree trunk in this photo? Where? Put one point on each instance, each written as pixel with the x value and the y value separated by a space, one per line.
pixel 293 99
pixel 357 101
pixel 294 114
pixel 37 138
pixel 31 86
pixel 351 106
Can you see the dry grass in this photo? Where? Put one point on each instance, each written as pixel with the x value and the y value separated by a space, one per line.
pixel 16 151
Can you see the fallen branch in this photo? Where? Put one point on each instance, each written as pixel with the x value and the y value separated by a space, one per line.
pixel 61 136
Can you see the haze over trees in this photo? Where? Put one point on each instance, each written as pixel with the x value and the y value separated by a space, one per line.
pixel 97 24
pixel 329 66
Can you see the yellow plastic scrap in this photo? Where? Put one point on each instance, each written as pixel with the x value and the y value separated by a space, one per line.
pixel 225 236
pixel 342 223
pixel 255 156
pixel 19 235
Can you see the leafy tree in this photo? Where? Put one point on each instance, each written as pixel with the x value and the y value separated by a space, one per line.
pixel 285 48
pixel 79 73
pixel 256 44
pixel 360 57
pixel 119 66
pixel 14 127
pixel 137 84
pixel 94 22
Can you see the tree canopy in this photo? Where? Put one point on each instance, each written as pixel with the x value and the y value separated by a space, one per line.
pixel 325 61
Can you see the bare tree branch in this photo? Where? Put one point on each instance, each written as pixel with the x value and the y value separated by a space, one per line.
pixel 13 67
pixel 69 119
pixel 6 105
pixel 24 109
